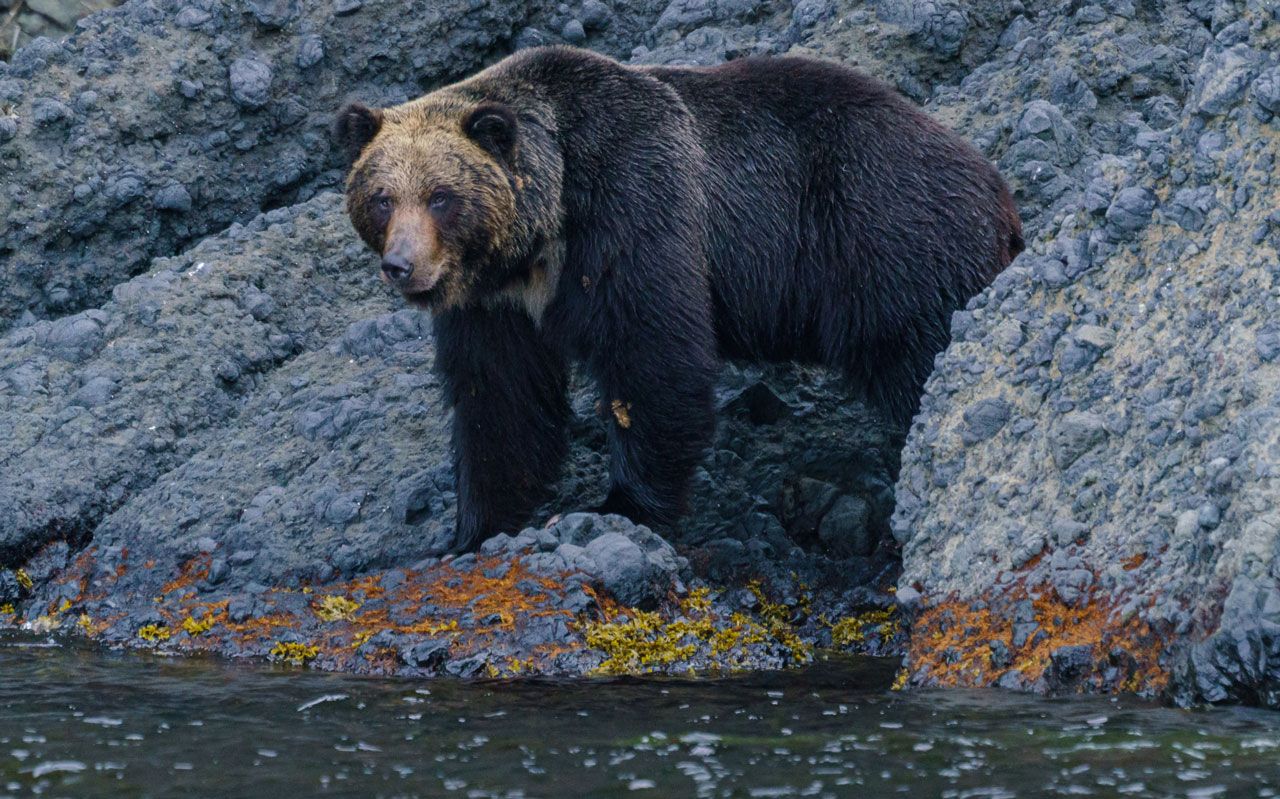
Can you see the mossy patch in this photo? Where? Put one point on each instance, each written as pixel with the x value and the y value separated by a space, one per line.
pixel 857 630
pixel 154 633
pixel 293 652
pixel 193 626
pixel 335 608
pixel 693 636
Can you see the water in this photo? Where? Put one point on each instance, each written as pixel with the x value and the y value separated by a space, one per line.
pixel 83 723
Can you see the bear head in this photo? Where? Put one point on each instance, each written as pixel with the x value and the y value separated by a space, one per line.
pixel 458 192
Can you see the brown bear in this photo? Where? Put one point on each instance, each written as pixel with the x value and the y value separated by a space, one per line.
pixel 647 222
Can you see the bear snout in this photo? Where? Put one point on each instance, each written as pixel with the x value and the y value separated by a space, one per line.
pixel 397 268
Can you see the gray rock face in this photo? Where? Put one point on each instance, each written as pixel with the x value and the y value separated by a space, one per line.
pixel 1133 419
pixel 237 104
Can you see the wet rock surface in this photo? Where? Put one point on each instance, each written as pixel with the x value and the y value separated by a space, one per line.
pixel 226 436
pixel 1091 481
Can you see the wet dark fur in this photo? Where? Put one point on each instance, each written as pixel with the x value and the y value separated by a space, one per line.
pixel 766 209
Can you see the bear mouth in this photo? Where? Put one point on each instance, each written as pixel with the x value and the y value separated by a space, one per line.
pixel 425 299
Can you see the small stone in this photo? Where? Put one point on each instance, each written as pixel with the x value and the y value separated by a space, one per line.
pixel 1075 434
pixel 999 654
pixel 48 111
pixel 1267 343
pixel 75 338
pixel 1222 80
pixel 344 508
pixel 1187 525
pixel 191 17
pixel 430 654
pixel 1266 90
pixel 574 32
pixel 1209 515
pixel 63 13
pixel 218 571
pixel 808 13
pixel 173 197
pixel 97 391
pixel 250 82
pixel 1069 666
pixel 1131 210
pixel 342 8
pixel 10 589
pixel 240 608
pixel 274 14
pixel 844 530
pixel 310 51
pixel 242 557
pixel 1068 531
pixel 1094 336
pixel 984 419
pixel 1022 633
pixel 596 15
pixel 907 597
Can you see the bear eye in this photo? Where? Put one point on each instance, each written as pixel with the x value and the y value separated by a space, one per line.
pixel 440 200
pixel 383 202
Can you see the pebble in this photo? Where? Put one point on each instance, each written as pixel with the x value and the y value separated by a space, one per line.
pixel 250 82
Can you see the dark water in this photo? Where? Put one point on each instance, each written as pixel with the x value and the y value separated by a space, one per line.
pixel 84 723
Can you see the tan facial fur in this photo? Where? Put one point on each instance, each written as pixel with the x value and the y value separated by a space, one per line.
pixel 420 151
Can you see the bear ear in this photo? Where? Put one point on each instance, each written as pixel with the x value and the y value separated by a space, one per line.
pixel 354 128
pixel 493 127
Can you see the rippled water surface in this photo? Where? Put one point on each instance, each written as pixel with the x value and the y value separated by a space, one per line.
pixel 86 723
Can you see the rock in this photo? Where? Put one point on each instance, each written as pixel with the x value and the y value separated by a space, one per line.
pixel 844 529
pixel 941 26
pixel 191 17
pixel 596 15
pixel 629 561
pixel 574 32
pixel 1150 367
pixel 1130 211
pixel 1068 666
pixel 984 419
pixel 1222 79
pixel 250 82
pixel 97 391
pixel 10 589
pixel 173 197
pixel 241 608
pixel 274 14
pixel 808 13
pixel 1266 90
pixel 429 654
pixel 65 14
pixel 310 51
pixel 1074 435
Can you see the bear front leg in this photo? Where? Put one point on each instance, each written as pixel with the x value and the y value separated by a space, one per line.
pixel 656 373
pixel 507 387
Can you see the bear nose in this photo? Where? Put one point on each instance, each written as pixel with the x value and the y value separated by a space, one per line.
pixel 396 267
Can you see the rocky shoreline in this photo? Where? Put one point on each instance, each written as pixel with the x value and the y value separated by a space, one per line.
pixel 222 434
